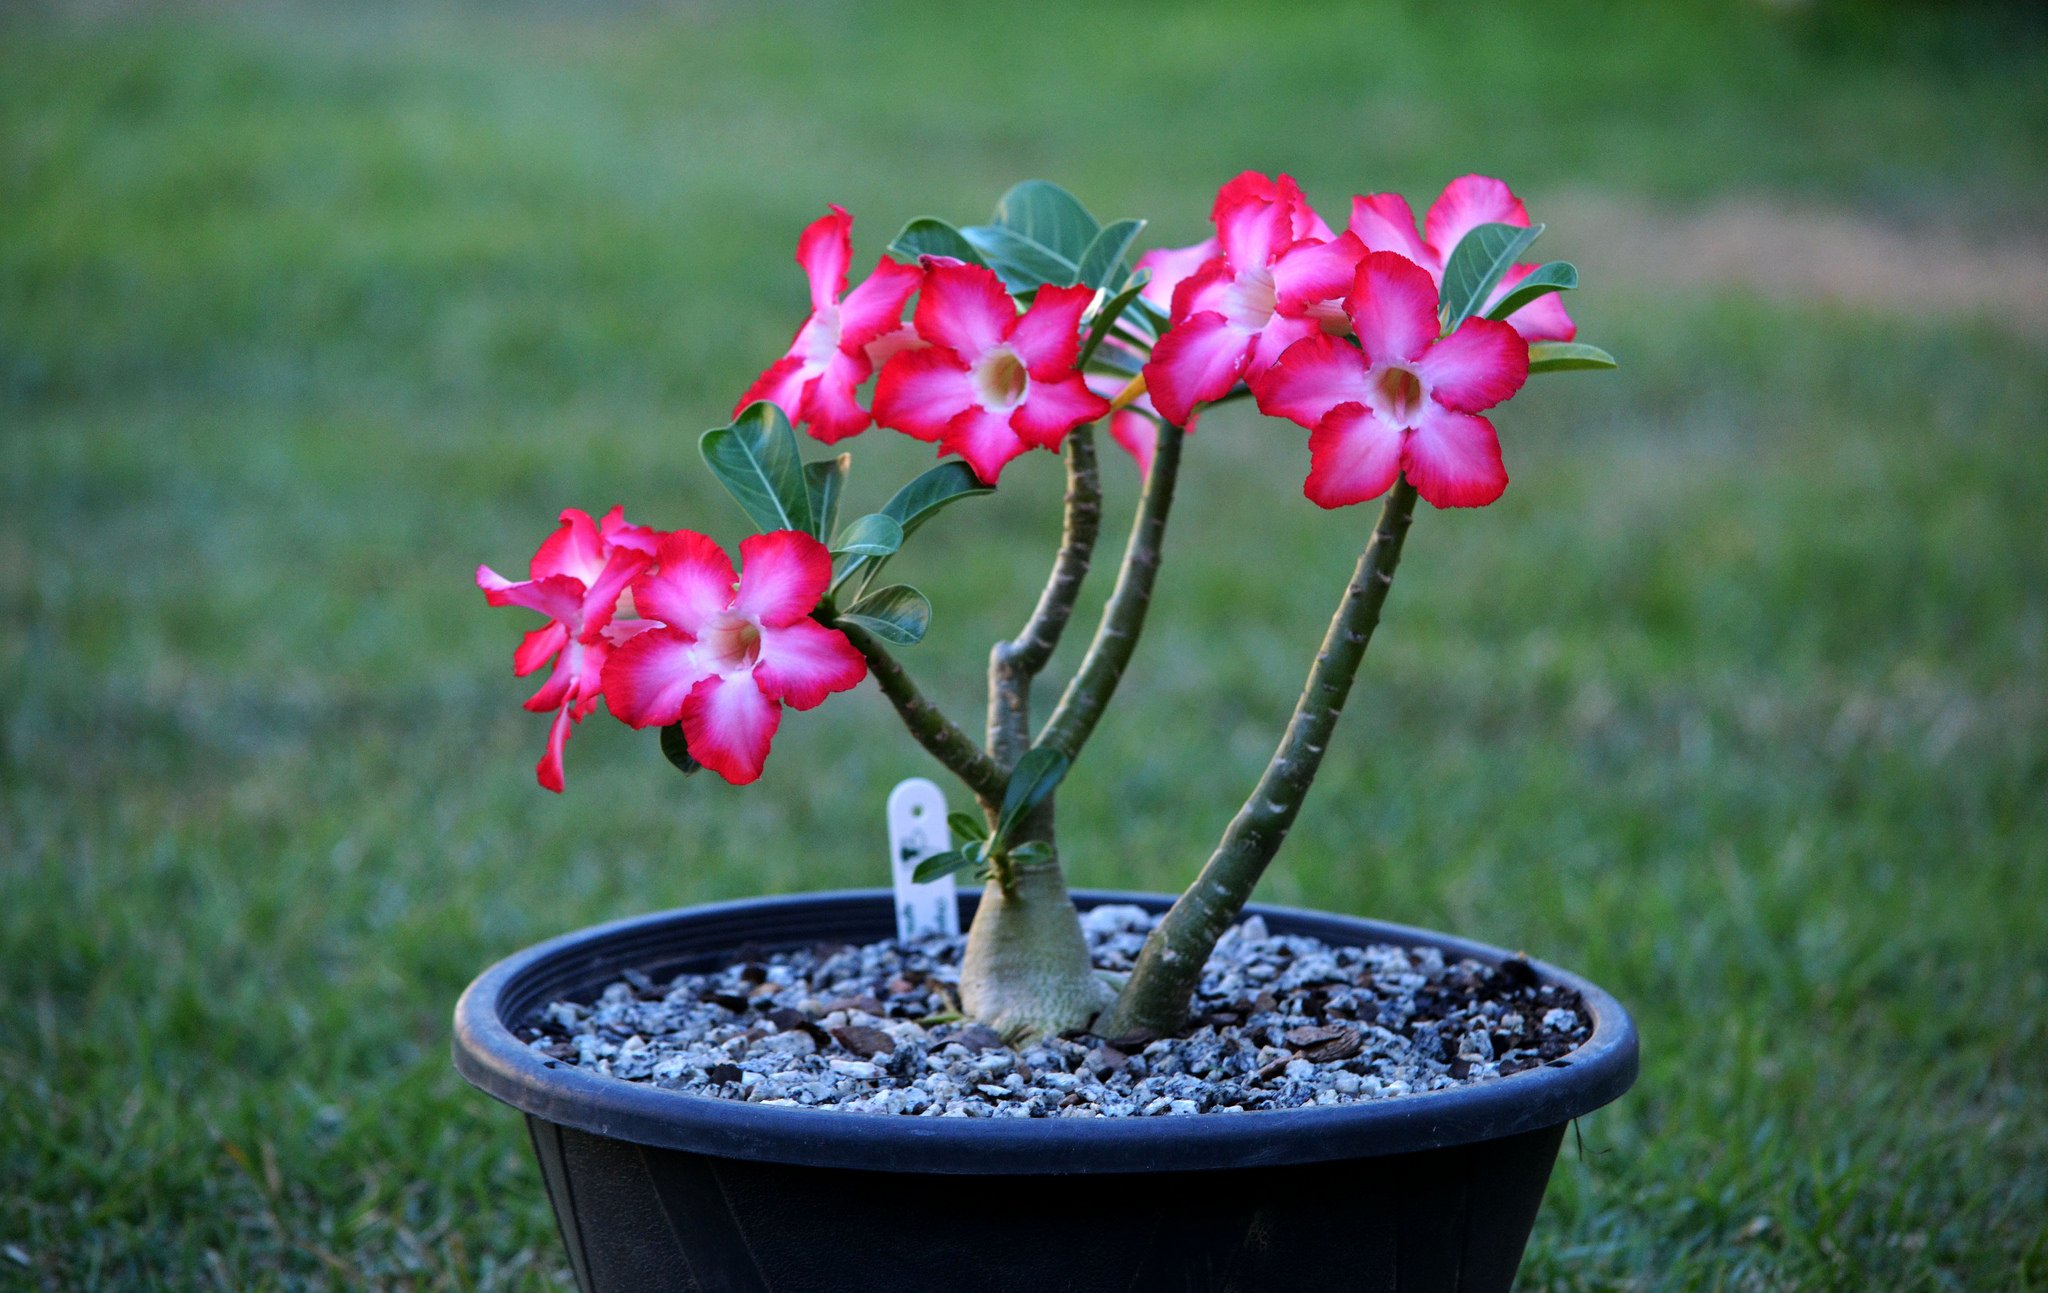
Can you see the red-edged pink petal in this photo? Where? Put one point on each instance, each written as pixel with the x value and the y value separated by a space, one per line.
pixel 804 662
pixel 612 528
pixel 535 648
pixel 890 344
pixel 1384 222
pixel 692 584
pixel 1138 434
pixel 1313 376
pixel 1053 408
pixel 560 687
pixel 575 549
pixel 647 680
pixel 985 439
pixel 1303 222
pixel 559 597
pixel 964 308
pixel 1048 336
pixel 1393 308
pixel 1468 201
pixel 783 573
pixel 1309 272
pixel 1169 265
pixel 1279 333
pixel 590 659
pixel 1543 319
pixel 1453 460
pixel 1252 221
pixel 549 770
pixel 781 384
pixel 1476 367
pixel 920 391
pixel 1198 360
pixel 1207 290
pixel 1353 456
pixel 728 726
pixel 602 601
pixel 831 402
pixel 876 306
pixel 824 249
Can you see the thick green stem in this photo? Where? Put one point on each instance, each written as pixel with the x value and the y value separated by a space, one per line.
pixel 1154 1001
pixel 938 734
pixel 1014 663
pixel 1123 617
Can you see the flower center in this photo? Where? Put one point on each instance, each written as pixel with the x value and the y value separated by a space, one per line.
pixel 1398 393
pixel 1251 300
pixel 733 642
pixel 1000 380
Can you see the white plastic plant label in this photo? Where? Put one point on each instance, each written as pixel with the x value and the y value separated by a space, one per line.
pixel 917 829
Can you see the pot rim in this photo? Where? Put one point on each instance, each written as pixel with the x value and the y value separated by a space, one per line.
pixel 492 1058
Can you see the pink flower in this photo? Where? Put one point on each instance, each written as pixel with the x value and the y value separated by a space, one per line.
pixel 1234 315
pixel 1384 222
pixel 990 383
pixel 1402 400
pixel 577 577
pixel 1170 265
pixel 842 341
pixel 730 650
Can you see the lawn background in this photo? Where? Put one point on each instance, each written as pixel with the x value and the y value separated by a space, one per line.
pixel 1737 702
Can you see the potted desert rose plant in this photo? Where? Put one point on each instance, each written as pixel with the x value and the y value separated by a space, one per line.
pixel 1128 1091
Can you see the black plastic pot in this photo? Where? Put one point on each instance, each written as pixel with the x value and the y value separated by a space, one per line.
pixel 659 1190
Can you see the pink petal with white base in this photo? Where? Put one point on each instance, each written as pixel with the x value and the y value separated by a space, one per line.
pixel 831 402
pixel 824 249
pixel 602 601
pixel 1170 265
pixel 1048 338
pixel 781 384
pixel 1252 221
pixel 558 597
pixel 1309 272
pixel 1312 377
pixel 1279 333
pixel 647 680
pixel 1393 308
pixel 1353 456
pixel 921 391
pixel 876 306
pixel 575 549
pixel 782 575
pixel 1054 408
pixel 1453 460
pixel 535 648
pixel 965 308
pixel 1467 202
pixel 985 439
pixel 1476 367
pixel 1385 222
pixel 728 726
pixel 804 662
pixel 1198 360
pixel 692 584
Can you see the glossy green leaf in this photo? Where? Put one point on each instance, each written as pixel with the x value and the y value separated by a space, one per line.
pixel 1554 276
pixel 1050 216
pixel 1567 356
pixel 1102 264
pixel 927 236
pixel 1023 264
pixel 1036 776
pixel 945 864
pixel 825 481
pixel 898 614
pixel 1106 317
pixel 677 751
pixel 873 535
pixel 967 826
pixel 758 462
pixel 1477 265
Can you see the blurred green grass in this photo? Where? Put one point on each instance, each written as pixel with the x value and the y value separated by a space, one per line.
pixel 1736 702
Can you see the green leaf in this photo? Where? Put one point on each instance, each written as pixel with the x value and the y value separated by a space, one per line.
pixel 1102 264
pixel 1021 263
pixel 927 236
pixel 1554 276
pixel 677 751
pixel 967 826
pixel 1032 852
pixel 758 462
pixel 916 503
pixel 1106 317
pixel 825 481
pixel 1482 257
pixel 945 864
pixel 873 535
pixel 1566 356
pixel 1048 215
pixel 898 614
pixel 1036 775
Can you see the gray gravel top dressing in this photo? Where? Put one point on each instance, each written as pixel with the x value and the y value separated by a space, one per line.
pixel 1280 1022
